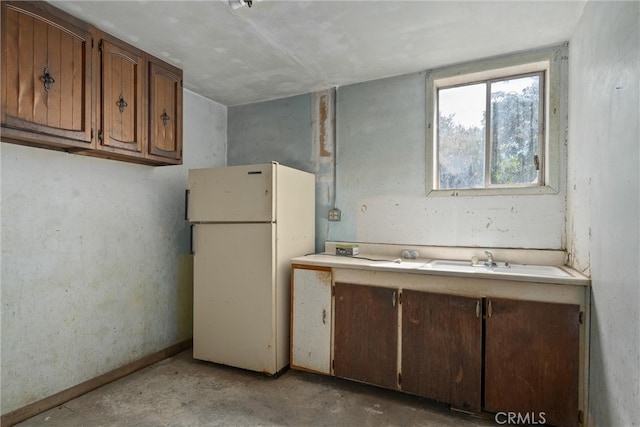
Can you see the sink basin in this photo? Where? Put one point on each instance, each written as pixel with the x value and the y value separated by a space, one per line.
pixel 393 264
pixel 501 268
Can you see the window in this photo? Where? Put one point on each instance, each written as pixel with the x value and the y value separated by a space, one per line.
pixel 494 125
pixel 488 133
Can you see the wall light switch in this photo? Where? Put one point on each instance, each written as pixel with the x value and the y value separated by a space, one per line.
pixel 334 214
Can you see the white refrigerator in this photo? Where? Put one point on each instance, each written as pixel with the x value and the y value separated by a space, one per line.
pixel 248 222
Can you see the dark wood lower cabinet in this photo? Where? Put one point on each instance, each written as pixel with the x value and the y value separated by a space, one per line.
pixel 366 334
pixel 442 348
pixel 477 354
pixel 532 359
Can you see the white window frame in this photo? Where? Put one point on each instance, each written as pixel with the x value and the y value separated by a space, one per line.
pixel 552 61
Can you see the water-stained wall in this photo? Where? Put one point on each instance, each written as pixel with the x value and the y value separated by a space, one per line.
pixel 279 130
pixel 93 268
pixel 603 207
pixel 379 178
pixel 298 132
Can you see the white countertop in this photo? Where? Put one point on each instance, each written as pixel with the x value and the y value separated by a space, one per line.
pixel 377 262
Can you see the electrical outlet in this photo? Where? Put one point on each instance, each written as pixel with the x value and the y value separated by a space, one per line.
pixel 334 214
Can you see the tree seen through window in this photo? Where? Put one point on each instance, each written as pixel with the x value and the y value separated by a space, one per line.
pixel 502 148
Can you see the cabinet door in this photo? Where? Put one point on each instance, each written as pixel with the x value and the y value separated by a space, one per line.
pixel 165 111
pixel 311 320
pixel 532 358
pixel 121 109
pixel 366 334
pixel 442 348
pixel 46 78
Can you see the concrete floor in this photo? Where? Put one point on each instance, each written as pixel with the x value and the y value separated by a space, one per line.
pixel 180 391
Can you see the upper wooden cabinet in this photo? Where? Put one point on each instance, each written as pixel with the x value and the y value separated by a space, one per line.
pixel 121 101
pixel 69 86
pixel 46 77
pixel 165 111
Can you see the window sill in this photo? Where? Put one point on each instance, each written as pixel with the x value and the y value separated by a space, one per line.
pixel 513 191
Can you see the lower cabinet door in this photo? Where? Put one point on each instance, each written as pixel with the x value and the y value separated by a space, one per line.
pixel 532 360
pixel 311 320
pixel 366 334
pixel 442 348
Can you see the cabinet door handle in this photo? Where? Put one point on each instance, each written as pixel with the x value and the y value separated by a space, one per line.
pixel 193 249
pixel 393 299
pixel 165 117
pixel 47 79
pixel 478 309
pixel 187 192
pixel 324 317
pixel 121 103
pixel 489 310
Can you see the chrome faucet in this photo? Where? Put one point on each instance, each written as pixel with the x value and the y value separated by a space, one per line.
pixel 489 262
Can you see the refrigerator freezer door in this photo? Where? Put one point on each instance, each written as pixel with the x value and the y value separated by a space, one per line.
pixel 232 194
pixel 234 295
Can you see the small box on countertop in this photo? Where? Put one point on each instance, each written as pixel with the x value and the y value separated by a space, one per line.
pixel 346 250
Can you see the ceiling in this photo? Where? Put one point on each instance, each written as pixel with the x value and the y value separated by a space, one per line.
pixel 277 49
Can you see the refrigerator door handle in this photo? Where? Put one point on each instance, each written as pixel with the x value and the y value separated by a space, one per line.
pixel 186 204
pixel 191 248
